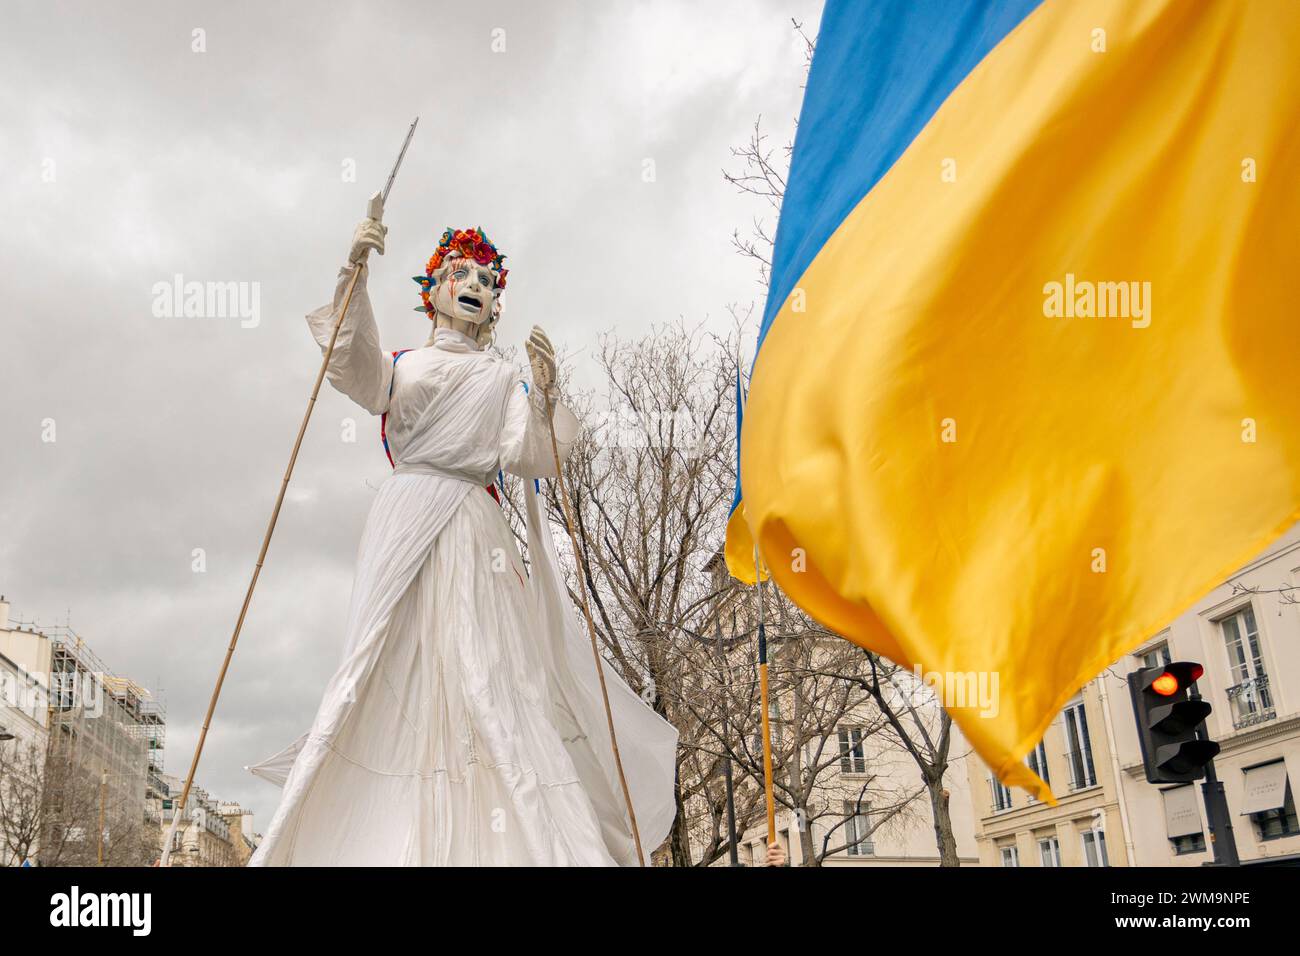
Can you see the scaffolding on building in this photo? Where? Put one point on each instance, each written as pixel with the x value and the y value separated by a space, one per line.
pixel 105 746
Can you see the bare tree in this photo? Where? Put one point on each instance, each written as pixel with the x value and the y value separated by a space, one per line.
pixel 813 707
pixel 761 172
pixel 921 728
pixel 85 820
pixel 650 481
pixel 21 774
pixel 1286 593
pixel 51 810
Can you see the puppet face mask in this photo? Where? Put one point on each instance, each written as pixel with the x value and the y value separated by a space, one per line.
pixel 466 291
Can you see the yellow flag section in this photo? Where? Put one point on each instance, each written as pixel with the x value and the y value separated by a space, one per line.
pixel 1037 389
pixel 739 552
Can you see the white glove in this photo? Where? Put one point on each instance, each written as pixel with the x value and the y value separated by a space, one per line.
pixel 541 356
pixel 370 233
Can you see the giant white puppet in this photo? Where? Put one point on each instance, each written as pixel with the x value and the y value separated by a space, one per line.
pixel 464 725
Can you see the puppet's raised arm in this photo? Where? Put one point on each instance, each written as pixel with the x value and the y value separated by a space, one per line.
pixel 358 368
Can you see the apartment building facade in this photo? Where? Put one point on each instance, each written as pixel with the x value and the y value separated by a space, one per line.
pixel 210 832
pixel 242 838
pixel 1246 634
pixel 1077 759
pixel 865 802
pixel 93 769
pixel 24 738
pixel 862 834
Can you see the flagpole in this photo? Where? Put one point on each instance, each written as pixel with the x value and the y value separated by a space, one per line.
pixel 741 399
pixel 763 703
pixel 376 210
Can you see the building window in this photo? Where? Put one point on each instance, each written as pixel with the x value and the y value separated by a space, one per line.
pixel 1192 843
pixel 1277 823
pixel 778 722
pixel 1037 762
pixel 1249 696
pixel 1079 746
pixel 1094 848
pixel 1010 856
pixel 857 828
pixel 1001 795
pixel 1158 656
pixel 853 758
pixel 1049 851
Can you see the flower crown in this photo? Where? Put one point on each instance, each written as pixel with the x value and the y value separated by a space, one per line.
pixel 472 244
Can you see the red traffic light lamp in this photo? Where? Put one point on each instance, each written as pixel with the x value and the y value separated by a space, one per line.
pixel 1176 677
pixel 1166 685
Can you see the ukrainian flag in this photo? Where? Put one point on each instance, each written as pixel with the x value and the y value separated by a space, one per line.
pixel 1028 381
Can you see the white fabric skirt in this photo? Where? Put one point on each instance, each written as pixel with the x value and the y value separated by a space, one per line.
pixel 450 755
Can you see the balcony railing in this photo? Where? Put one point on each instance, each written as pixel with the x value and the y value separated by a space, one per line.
pixel 1251 702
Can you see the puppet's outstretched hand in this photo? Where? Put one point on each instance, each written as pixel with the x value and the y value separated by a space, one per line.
pixel 370 233
pixel 541 356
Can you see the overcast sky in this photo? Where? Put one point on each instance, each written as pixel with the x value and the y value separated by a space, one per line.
pixel 128 157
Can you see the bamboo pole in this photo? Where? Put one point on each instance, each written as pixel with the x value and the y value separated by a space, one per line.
pixel 591 627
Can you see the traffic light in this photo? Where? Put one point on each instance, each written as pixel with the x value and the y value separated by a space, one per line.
pixel 1167 720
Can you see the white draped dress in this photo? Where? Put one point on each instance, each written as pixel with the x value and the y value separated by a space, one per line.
pixel 464 725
